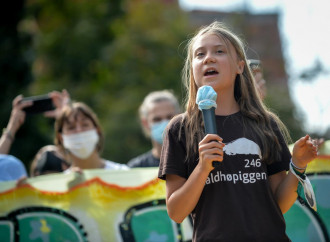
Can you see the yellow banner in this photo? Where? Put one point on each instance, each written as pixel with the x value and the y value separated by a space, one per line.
pixel 102 205
pixel 98 205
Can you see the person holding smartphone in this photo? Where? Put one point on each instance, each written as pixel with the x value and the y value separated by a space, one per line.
pixel 11 167
pixel 49 105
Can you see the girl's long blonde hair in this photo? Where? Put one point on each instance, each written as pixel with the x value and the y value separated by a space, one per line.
pixel 255 115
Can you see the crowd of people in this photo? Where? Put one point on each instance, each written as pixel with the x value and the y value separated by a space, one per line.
pixel 79 137
pixel 182 151
pixel 78 142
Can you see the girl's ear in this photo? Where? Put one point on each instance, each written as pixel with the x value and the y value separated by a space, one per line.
pixel 240 66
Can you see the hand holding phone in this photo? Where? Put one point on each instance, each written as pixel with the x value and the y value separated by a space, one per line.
pixel 60 99
pixel 41 104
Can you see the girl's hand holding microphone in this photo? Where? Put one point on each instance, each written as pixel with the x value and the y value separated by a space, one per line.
pixel 210 149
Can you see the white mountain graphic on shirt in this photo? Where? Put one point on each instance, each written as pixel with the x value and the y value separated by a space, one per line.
pixel 242 146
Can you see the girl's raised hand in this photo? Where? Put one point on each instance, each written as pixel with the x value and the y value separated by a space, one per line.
pixel 304 151
pixel 210 149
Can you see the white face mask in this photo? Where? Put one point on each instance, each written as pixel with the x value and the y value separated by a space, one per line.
pixel 81 144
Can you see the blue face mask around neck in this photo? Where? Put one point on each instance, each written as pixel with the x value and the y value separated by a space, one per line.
pixel 157 130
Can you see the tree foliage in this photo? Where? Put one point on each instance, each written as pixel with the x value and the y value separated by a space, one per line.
pixel 144 57
pixel 279 101
pixel 108 54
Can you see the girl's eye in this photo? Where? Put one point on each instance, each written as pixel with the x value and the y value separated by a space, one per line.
pixel 199 54
pixel 219 51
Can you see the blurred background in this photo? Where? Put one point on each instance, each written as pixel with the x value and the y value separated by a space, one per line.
pixel 111 53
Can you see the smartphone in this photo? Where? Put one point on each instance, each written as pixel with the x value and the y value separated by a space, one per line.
pixel 40 104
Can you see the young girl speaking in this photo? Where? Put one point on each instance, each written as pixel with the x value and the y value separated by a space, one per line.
pixel 244 198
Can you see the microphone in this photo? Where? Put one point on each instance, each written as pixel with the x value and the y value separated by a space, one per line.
pixel 206 100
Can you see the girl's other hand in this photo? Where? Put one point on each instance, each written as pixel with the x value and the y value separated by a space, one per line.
pixel 304 151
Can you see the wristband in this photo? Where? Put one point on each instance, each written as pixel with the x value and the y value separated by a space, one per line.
pixel 299 174
pixel 307 186
pixel 304 168
pixel 296 171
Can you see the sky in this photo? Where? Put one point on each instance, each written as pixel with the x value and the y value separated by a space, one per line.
pixel 304 26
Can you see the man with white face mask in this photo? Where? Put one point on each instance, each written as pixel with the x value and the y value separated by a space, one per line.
pixel 79 134
pixel 157 109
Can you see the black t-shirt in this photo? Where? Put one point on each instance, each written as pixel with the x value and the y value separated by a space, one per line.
pixel 144 160
pixel 237 203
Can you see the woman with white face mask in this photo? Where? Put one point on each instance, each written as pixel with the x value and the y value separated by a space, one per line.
pixel 79 134
pixel 156 110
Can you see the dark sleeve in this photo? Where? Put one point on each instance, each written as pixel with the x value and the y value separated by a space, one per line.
pixel 172 159
pixel 135 162
pixel 140 161
pixel 285 156
pixel 144 160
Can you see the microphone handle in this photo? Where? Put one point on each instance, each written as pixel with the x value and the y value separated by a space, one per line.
pixel 210 126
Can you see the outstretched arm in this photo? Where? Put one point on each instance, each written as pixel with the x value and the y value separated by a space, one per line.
pixel 16 119
pixel 284 185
